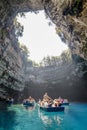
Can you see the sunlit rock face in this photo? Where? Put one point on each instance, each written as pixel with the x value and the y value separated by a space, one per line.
pixel 70 17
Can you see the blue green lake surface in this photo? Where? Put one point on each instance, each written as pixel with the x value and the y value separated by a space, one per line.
pixel 16 117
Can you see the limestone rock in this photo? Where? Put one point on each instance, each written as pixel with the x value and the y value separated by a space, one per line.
pixel 70 17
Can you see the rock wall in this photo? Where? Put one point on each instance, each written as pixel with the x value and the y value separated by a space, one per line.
pixel 64 80
pixel 10 56
pixel 70 17
pixel 10 66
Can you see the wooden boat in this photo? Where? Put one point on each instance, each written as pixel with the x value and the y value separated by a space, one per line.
pixel 29 104
pixel 65 103
pixel 10 101
pixel 52 109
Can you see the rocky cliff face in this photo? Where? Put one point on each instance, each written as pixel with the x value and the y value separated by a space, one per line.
pixel 65 79
pixel 10 56
pixel 70 17
pixel 10 65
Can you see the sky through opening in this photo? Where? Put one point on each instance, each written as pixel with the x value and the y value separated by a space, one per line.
pixel 40 38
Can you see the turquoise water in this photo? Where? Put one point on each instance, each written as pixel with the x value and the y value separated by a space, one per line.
pixel 18 118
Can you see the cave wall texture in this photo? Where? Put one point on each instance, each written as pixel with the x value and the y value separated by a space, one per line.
pixel 70 17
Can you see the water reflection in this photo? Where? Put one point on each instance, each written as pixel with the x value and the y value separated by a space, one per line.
pixel 66 110
pixel 18 117
pixel 30 108
pixel 50 118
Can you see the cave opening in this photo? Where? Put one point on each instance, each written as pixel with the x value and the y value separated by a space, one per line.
pixel 40 36
pixel 57 76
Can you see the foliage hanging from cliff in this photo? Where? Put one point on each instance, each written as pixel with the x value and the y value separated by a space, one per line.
pixel 18 28
pixel 24 49
pixel 60 33
pixel 84 49
pixel 74 9
pixel 65 57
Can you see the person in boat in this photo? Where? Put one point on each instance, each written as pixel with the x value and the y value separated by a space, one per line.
pixel 50 102
pixel 65 101
pixel 56 102
pixel 47 98
pixel 24 101
pixel 60 99
pixel 46 102
pixel 39 102
pixel 9 100
pixel 31 100
pixel 42 103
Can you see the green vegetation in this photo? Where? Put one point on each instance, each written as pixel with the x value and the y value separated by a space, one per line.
pixel 77 6
pixel 74 9
pixel 3 33
pixel 25 56
pixel 61 34
pixel 65 57
pixel 84 49
pixel 32 63
pixel 24 49
pixel 22 14
pixel 18 28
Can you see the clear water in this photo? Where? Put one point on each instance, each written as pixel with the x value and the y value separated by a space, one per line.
pixel 18 118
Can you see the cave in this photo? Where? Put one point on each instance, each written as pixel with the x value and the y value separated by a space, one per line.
pixel 70 17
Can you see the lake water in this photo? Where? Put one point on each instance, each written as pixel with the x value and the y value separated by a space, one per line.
pixel 17 117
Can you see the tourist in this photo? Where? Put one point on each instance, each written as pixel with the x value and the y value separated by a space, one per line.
pixel 46 97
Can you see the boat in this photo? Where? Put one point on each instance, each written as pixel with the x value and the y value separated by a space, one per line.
pixel 10 101
pixel 29 104
pixel 52 109
pixel 65 102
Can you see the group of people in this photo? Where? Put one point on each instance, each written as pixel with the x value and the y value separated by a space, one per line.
pixel 9 100
pixel 46 101
pixel 49 102
pixel 29 100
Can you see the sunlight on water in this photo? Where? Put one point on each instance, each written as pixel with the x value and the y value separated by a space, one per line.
pixel 19 118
